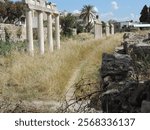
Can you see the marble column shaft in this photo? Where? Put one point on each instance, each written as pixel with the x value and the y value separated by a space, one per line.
pixel 41 32
pixel 107 29
pixel 112 29
pixel 50 32
pixel 57 31
pixel 29 31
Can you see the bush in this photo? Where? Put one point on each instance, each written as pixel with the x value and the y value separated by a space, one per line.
pixel 7 47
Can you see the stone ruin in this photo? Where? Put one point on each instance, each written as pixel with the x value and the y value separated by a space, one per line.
pixel 126 76
pixel 98 29
pixel 2 33
pixel 41 6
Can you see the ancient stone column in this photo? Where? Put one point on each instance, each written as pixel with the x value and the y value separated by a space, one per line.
pixel 107 29
pixel 29 31
pixel 57 31
pixel 50 32
pixel 112 29
pixel 101 30
pixel 40 32
pixel 98 30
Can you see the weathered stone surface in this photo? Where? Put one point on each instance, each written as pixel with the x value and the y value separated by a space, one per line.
pixel 127 36
pixel 116 66
pixel 127 98
pixel 120 50
pixel 141 50
pixel 138 49
pixel 15 33
pixel 145 107
pixel 125 78
pixel 132 41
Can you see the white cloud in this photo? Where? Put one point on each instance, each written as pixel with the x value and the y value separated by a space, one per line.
pixel 95 8
pixel 76 12
pixel 132 15
pixel 114 5
pixel 107 16
pixel 122 18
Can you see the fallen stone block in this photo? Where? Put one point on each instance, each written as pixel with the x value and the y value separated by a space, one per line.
pixel 145 107
pixel 116 66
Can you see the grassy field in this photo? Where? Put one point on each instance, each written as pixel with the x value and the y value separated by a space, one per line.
pixel 48 77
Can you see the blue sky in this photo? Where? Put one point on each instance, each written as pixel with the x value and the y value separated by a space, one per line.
pixel 120 10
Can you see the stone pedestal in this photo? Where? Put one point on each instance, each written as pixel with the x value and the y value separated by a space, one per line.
pixel 57 31
pixel 107 29
pixel 98 30
pixel 29 31
pixel 41 32
pixel 50 32
pixel 112 29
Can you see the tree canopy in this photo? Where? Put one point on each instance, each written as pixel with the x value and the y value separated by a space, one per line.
pixel 145 14
pixel 88 14
pixel 11 12
pixel 67 24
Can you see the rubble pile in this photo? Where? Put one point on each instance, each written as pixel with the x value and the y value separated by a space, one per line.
pixel 126 76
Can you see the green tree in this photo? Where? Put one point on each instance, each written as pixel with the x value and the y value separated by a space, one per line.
pixel 149 16
pixel 88 14
pixel 3 12
pixel 144 14
pixel 11 12
pixel 79 27
pixel 67 24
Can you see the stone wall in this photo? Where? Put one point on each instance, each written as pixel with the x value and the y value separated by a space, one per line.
pixel 125 76
pixel 14 33
pixel 2 33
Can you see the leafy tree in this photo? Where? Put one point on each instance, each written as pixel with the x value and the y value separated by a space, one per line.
pixel 88 14
pixel 79 27
pixel 67 24
pixel 144 14
pixel 20 9
pixel 11 12
pixel 3 12
pixel 149 16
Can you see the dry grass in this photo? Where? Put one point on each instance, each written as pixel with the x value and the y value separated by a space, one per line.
pixel 46 77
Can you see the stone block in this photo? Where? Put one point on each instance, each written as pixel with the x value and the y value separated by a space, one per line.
pixel 116 66
pixel 145 107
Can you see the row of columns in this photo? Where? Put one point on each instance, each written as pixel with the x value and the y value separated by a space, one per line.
pixel 109 29
pixel 98 29
pixel 29 30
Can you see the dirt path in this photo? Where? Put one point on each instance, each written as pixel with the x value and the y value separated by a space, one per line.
pixel 75 76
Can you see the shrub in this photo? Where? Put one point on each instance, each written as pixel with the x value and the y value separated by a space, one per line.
pixel 6 47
